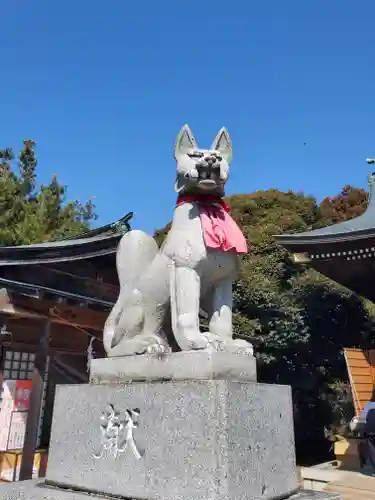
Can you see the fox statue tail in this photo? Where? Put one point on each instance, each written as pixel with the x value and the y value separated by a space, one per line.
pixel 135 253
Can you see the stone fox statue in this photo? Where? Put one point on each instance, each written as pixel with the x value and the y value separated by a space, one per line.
pixel 163 290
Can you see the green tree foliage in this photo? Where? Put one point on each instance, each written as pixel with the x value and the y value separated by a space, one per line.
pixel 298 320
pixel 31 213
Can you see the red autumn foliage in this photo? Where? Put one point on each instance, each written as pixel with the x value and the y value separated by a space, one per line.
pixel 350 203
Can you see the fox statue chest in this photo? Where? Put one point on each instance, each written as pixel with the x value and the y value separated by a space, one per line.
pixel 185 245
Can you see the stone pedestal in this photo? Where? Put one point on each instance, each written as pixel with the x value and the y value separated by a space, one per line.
pixel 171 428
pixel 211 439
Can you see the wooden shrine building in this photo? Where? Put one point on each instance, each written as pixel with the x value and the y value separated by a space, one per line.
pixel 54 300
pixel 345 252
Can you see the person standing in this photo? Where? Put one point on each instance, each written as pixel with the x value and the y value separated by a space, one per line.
pixel 368 417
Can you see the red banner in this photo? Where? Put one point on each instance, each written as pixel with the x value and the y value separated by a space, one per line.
pixel 22 395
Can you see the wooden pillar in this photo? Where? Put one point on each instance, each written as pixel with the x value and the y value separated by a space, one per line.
pixel 32 424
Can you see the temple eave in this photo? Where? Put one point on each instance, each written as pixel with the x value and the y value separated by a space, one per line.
pixel 346 250
pixel 60 251
pixel 300 239
pixel 347 261
pixel 353 274
pixel 108 229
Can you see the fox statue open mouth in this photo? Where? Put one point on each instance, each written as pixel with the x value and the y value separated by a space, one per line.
pixel 162 291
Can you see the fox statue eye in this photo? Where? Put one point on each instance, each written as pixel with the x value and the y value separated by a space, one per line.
pixel 195 154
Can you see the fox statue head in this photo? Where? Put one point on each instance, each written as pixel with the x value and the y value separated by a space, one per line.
pixel 202 171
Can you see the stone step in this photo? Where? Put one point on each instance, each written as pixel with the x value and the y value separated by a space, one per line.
pixel 351 493
pixel 37 490
pixel 356 481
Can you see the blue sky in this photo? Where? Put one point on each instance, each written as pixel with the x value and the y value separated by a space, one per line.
pixel 104 87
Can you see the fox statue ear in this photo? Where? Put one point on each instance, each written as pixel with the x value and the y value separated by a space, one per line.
pixel 223 144
pixel 185 141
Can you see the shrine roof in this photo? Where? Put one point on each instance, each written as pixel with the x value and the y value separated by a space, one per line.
pixel 113 228
pixel 359 228
pixel 93 243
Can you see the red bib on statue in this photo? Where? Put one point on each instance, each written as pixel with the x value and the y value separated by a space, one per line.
pixel 219 230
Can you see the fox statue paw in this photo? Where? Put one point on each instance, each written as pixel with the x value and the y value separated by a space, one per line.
pixel 241 347
pixel 159 349
pixel 214 342
pixel 237 346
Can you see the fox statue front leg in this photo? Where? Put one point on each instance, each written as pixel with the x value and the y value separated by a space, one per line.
pixel 221 317
pixel 185 300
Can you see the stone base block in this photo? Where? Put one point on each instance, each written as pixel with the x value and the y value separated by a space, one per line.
pixel 38 490
pixel 193 440
pixel 186 365
pixel 35 490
